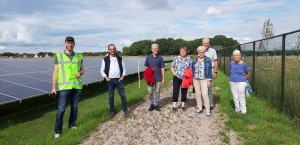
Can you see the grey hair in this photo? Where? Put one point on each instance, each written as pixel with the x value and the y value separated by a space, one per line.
pixel 154 45
pixel 205 39
pixel 236 52
pixel 200 48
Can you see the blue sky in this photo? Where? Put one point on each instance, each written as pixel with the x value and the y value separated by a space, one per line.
pixel 32 26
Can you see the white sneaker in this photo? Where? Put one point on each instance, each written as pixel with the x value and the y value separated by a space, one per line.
pixel 56 136
pixel 74 127
pixel 208 115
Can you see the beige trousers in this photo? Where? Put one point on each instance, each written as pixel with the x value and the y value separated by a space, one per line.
pixel 201 89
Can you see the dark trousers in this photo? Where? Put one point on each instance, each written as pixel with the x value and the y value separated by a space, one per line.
pixel 176 86
pixel 111 84
pixel 62 104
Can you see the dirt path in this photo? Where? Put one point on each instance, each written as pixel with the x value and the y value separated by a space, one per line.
pixel 164 127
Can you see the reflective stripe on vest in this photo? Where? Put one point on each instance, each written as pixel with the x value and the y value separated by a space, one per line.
pixel 66 79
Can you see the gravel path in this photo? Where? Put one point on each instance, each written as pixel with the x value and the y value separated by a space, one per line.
pixel 164 127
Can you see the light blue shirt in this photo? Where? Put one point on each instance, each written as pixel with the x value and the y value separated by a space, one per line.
pixel 180 65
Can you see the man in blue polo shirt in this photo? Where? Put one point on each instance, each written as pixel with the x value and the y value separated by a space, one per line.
pixel 157 63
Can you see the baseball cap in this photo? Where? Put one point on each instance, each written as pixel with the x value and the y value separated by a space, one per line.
pixel 70 38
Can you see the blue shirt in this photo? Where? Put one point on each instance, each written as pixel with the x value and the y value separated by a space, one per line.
pixel 238 72
pixel 157 63
pixel 180 65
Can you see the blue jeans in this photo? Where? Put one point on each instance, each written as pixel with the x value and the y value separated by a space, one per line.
pixel 111 84
pixel 62 104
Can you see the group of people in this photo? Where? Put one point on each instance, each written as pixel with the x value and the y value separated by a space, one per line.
pixel 200 72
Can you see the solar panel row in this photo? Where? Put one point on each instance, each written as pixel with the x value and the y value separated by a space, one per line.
pixel 25 78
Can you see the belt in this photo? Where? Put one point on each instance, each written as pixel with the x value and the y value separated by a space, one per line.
pixel 115 78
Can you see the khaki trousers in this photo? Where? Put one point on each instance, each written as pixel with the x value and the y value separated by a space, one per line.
pixel 201 89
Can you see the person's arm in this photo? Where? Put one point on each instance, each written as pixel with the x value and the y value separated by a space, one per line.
pixel 54 79
pixel 80 73
pixel 229 68
pixel 247 75
pixel 173 67
pixel 173 71
pixel 209 75
pixel 102 71
pixel 246 69
pixel 146 63
pixel 215 58
pixel 163 75
pixel 162 65
pixel 124 71
pixel 215 75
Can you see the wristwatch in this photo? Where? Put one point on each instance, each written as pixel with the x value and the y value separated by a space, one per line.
pixel 216 72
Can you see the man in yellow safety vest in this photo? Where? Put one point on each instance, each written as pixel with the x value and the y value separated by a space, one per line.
pixel 67 73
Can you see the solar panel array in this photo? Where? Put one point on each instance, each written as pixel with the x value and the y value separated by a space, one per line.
pixel 25 78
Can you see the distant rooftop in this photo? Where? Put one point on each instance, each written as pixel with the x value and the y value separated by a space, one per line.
pixel 217 47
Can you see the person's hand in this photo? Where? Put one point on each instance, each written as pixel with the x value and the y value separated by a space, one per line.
pixel 215 76
pixel 121 78
pixel 77 75
pixel 208 83
pixel 107 79
pixel 163 81
pixel 53 93
pixel 174 74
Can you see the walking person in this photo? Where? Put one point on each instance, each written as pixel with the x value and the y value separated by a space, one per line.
pixel 239 74
pixel 68 69
pixel 156 62
pixel 113 71
pixel 202 77
pixel 212 54
pixel 180 63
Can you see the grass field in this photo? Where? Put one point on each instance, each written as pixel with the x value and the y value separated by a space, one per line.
pixel 263 123
pixel 37 126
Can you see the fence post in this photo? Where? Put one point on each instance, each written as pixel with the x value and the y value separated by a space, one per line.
pixel 253 68
pixel 139 74
pixel 282 70
pixel 220 57
pixel 224 61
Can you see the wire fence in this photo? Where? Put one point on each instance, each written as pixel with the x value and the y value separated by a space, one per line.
pixel 274 65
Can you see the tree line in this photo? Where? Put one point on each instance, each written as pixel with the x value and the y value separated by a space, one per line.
pixel 170 46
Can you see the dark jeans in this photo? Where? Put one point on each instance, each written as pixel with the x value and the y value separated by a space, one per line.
pixel 62 104
pixel 111 84
pixel 176 86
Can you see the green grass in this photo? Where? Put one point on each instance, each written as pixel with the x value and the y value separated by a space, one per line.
pixel 37 126
pixel 268 81
pixel 263 123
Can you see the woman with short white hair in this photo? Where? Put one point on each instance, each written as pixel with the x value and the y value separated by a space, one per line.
pixel 239 74
pixel 202 75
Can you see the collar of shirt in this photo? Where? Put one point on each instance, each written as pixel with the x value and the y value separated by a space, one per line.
pixel 73 53
pixel 154 57
pixel 113 58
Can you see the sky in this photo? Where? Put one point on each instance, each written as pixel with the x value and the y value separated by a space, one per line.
pixel 32 26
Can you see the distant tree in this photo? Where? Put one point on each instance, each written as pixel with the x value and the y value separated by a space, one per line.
pixel 267 32
pixel 261 46
pixel 169 46
pixel 296 45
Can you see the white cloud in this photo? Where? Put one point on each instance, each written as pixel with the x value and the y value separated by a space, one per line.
pixel 126 42
pixel 2 48
pixel 243 39
pixel 6 36
pixel 96 24
pixel 213 11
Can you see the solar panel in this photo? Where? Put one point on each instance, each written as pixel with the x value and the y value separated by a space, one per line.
pixel 25 78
